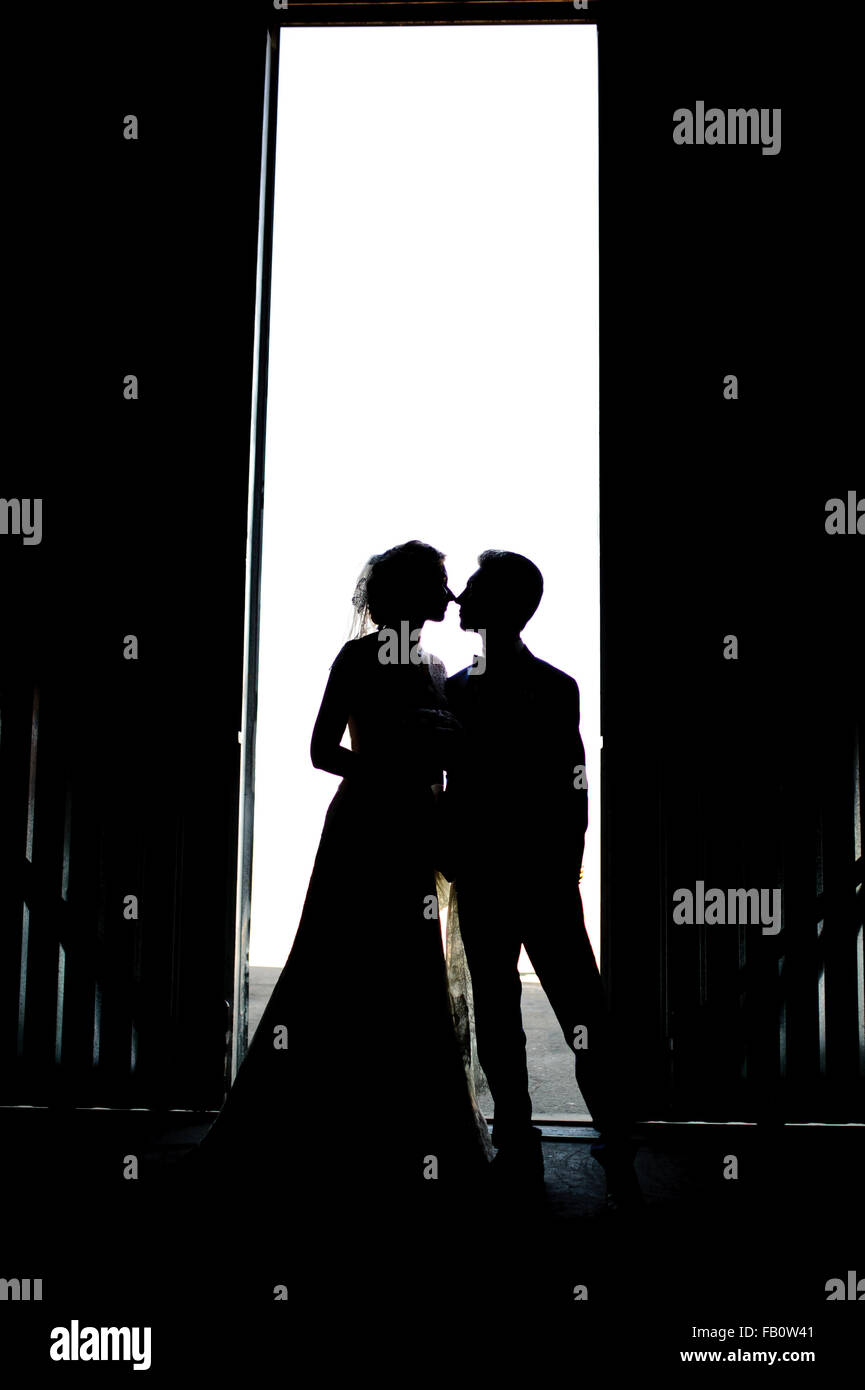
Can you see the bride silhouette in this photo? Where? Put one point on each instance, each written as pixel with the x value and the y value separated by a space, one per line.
pixel 354 1085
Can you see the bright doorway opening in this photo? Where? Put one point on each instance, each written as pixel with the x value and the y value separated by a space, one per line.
pixel 433 373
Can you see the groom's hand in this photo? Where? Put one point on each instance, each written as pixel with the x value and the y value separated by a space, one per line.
pixel 446 733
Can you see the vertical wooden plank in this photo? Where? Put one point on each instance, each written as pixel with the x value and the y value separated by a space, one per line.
pixel 43 896
pixel 28 907
pixel 16 715
pixel 840 1064
pixel 62 945
pixel 858 838
pixel 802 842
pixel 81 942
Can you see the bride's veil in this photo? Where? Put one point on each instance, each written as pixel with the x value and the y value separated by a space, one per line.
pixel 361 622
pixel 462 1002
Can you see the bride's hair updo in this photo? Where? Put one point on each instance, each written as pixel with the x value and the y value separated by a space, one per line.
pixel 387 585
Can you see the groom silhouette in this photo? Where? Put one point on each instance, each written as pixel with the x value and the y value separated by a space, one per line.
pixel 516 810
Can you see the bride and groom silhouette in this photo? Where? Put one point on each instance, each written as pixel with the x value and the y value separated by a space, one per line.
pixel 362 1024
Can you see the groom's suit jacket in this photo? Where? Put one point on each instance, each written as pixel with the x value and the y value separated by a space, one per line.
pixel 511 804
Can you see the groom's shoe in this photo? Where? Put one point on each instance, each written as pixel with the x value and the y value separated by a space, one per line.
pixel 519 1164
pixel 616 1157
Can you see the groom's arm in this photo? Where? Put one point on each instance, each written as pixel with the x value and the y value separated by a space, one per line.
pixel 578 789
pixel 562 790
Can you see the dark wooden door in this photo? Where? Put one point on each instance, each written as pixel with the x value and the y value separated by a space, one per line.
pixel 119 771
pixel 731 772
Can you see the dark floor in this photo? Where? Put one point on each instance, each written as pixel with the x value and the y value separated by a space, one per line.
pixel 352 1281
pixel 207 1267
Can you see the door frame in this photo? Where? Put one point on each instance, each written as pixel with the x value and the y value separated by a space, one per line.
pixel 298 15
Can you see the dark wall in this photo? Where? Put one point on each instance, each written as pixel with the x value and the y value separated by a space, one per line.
pixel 145 260
pixel 139 257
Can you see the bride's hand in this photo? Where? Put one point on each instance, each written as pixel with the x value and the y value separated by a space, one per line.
pixel 437 719
pixel 444 731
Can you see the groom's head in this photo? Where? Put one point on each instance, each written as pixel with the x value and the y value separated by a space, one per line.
pixel 502 594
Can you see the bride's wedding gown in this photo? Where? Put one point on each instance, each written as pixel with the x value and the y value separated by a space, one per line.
pixel 354 1082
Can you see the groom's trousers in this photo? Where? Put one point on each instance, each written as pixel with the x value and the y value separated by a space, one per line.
pixel 547 917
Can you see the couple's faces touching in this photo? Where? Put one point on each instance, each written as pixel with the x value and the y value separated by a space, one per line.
pixel 441 596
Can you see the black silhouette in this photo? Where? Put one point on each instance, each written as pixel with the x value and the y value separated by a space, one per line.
pixel 516 811
pixel 361 1015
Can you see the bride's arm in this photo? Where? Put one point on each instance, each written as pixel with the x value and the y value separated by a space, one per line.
pixel 325 748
